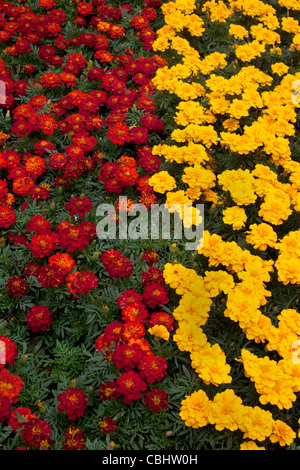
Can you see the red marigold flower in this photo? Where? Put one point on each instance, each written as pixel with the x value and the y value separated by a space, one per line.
pixel 8 351
pixel 35 431
pixel 31 269
pixel 116 264
pixel 50 276
pixel 79 205
pixel 7 216
pixel 43 244
pixel 41 146
pixel 74 439
pixel 119 133
pixel 152 368
pixel 127 297
pixel 150 256
pixel 156 400
pixel 133 330
pixel 151 276
pixel 38 224
pixel 108 391
pixel 39 318
pixel 114 331
pixel 57 161
pixel 35 166
pixel 105 345
pixel 17 286
pixel 127 357
pixel 83 282
pixel 139 135
pixel 73 402
pixel 139 22
pixel 130 385
pixel 72 237
pixel 147 198
pixel 22 185
pixel 47 4
pixel 38 192
pixel 135 311
pixel 4 408
pixel 64 261
pixel 107 425
pixel 85 9
pixel 15 422
pixel 155 295
pixel 17 238
pixel 10 385
pixel 162 318
pixel 51 79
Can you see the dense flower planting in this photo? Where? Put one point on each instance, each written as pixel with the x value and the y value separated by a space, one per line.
pixel 135 344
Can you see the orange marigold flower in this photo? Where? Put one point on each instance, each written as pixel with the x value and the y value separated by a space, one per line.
pixel 64 261
pixel 10 385
pixel 35 166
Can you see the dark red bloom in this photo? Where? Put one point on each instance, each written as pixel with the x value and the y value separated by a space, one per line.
pixel 127 357
pixel 73 402
pixel 150 256
pixel 39 318
pixel 15 422
pixel 35 431
pixel 130 385
pixel 74 439
pixel 50 276
pixel 107 425
pixel 127 297
pixel 155 295
pixel 17 286
pixel 4 408
pixel 83 282
pixel 108 391
pixel 119 133
pixel 156 400
pixel 79 205
pixel 151 276
pixel 116 264
pixel 152 368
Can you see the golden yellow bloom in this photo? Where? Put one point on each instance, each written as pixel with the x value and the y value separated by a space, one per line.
pixel 162 182
pixel 235 216
pixel 194 409
pixel 159 331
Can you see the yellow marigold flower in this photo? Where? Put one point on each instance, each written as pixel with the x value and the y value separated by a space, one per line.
pixel 238 108
pixel 250 445
pixel 198 176
pixel 248 52
pixel 159 331
pixel 276 207
pixel 162 182
pixel 193 309
pixel 290 25
pixel 218 281
pixel 238 31
pixel 280 68
pixel 194 409
pixel 235 216
pixel 189 337
pixel 261 236
pixel 257 423
pixel 282 433
pixel 179 278
pixel 226 411
pixel 210 364
pixel 240 184
pixel 218 11
pixel 231 124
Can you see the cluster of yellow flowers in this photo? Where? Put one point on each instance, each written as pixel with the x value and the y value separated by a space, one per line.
pixel 250 113
pixel 226 411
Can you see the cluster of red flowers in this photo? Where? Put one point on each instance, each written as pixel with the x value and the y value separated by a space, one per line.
pixel 66 135
pixel 124 342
